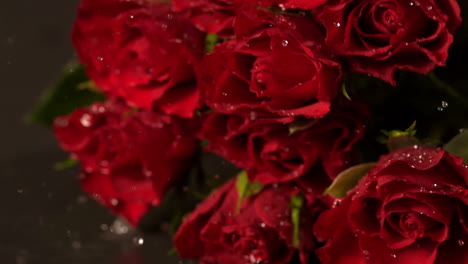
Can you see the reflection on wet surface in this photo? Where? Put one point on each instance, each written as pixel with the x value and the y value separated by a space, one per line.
pixel 45 218
pixel 48 220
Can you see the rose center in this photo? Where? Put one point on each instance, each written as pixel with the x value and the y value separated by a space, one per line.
pixel 387 18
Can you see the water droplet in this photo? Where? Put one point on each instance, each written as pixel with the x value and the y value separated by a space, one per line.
pixel 253 115
pixel 81 199
pixel 104 227
pixel 393 255
pixel 119 227
pixel 147 173
pixel 444 104
pixel 365 252
pixel 114 202
pixel 138 241
pixel 76 245
pixel 337 24
pixel 461 242
pixel 86 120
pixel 100 59
pixel 285 43
pixel 263 225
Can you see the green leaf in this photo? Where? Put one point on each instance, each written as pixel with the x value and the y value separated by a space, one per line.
pixel 297 202
pixel 72 90
pixel 172 252
pixel 66 164
pixel 347 179
pixel 410 131
pixel 204 143
pixel 210 42
pixel 458 145
pixel 245 188
pixel 344 91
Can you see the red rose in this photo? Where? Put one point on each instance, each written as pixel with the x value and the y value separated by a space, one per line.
pixel 411 208
pixel 291 4
pixel 272 151
pixel 141 51
pixel 211 16
pixel 129 158
pixel 275 64
pixel 380 37
pixel 260 232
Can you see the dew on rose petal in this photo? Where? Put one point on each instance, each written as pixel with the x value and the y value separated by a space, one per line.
pixel 337 24
pixel 435 185
pixel 284 43
pixel 100 59
pixel 114 202
pixel 138 241
pixel 86 120
pixel 148 173
pixel 253 116
pixel 104 170
pixel 263 225
pixel 393 255
pixel 365 252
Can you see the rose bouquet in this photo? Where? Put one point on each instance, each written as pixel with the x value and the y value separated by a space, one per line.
pixel 274 131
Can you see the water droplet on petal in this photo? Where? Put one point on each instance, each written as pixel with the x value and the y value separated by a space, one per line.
pixel 86 120
pixel 114 202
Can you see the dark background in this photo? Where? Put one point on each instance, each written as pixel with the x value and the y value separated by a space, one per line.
pixel 45 218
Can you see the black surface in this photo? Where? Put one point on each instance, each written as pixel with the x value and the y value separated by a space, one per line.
pixel 45 216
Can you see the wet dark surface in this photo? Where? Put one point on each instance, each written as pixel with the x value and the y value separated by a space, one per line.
pixel 45 216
